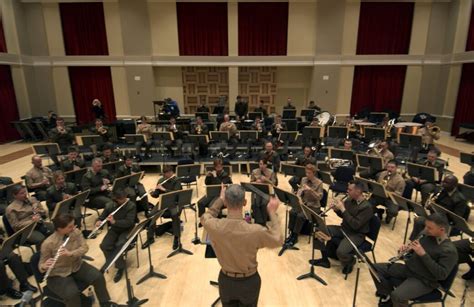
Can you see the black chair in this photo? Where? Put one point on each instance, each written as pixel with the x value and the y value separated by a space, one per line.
pixel 342 176
pixel 10 231
pixel 440 294
pixel 371 238
pixel 45 292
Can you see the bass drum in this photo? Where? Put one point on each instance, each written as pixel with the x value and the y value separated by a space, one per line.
pixel 325 119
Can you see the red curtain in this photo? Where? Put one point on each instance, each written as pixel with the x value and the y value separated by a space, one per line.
pixel 378 88
pixel 470 36
pixel 263 28
pixel 9 109
pixel 465 102
pixel 88 83
pixel 84 28
pixel 384 28
pixel 202 28
pixel 3 43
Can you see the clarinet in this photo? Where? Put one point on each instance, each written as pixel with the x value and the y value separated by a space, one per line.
pixel 406 254
pixel 55 259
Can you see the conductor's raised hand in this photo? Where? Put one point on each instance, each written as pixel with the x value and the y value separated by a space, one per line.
pixel 273 204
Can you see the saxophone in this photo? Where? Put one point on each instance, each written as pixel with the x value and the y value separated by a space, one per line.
pixel 386 179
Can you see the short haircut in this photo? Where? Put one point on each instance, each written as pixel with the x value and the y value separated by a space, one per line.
pixel 167 168
pixel 439 219
pixel 358 185
pixel 264 161
pixel 17 188
pixel 62 220
pixel 108 146
pixel 218 162
pixel 235 196
pixel 394 162
pixel 119 193
pixel 72 149
pixel 435 152
pixel 311 167
pixel 97 160
pixel 57 174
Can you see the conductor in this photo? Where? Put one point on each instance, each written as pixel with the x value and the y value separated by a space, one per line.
pixel 236 243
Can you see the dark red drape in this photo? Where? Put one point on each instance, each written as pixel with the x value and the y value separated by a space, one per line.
pixel 3 43
pixel 384 28
pixel 378 88
pixel 202 28
pixel 84 28
pixel 470 36
pixel 465 102
pixel 9 109
pixel 88 83
pixel 263 28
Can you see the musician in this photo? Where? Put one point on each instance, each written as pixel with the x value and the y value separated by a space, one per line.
pixel 23 210
pixel 232 130
pixel 4 181
pixel 433 258
pixel 347 145
pixel 171 184
pixel 97 109
pixel 38 178
pixel 218 176
pixel 101 130
pixel 270 156
pixel 449 198
pixel 393 183
pixel 428 134
pixel 241 108
pixel 129 168
pixel 120 225
pixel 69 269
pixel 97 181
pixel 108 154
pixel 289 105
pixel 200 128
pixel 465 249
pixel 277 127
pixel 146 130
pixel 315 122
pixel 203 108
pixel 61 135
pixel 236 244
pixel 59 191
pixel 356 213
pixel 73 160
pixel 383 152
pixel 261 109
pixel 313 106
pixel 469 177
pixel 302 160
pixel 18 269
pixel 422 185
pixel 177 137
pixel 51 119
pixel 264 175
pixel 311 193
pixel 258 126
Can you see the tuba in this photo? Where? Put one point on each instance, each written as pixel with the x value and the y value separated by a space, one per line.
pixel 334 163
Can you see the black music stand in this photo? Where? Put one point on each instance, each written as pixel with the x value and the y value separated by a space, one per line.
pixel 154 215
pixel 19 237
pixel 120 183
pixel 293 170
pixel 308 113
pixel 344 154
pixel 112 167
pixel 317 222
pixel 246 135
pixel 290 200
pixel 289 113
pixel 89 140
pixel 374 163
pixel 72 204
pixel 9 190
pixel 407 205
pixel 338 132
pixel 410 140
pixel 467 158
pixel 364 259
pixel 219 136
pixel 75 176
pixel 288 136
pixel 161 138
pixel 49 150
pixel 459 222
pixel 203 115
pixel 427 173
pixel 312 133
pixel 134 138
pixel 253 115
pixel 372 133
pixel 132 300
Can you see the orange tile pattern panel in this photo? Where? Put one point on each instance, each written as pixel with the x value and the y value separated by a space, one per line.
pixel 258 83
pixel 204 84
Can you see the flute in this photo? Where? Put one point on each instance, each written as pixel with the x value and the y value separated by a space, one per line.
pixel 55 259
pixel 105 220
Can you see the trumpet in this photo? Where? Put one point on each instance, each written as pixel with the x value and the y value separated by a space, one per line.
pixel 93 233
pixel 61 130
pixel 408 252
pixel 374 148
pixel 55 259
